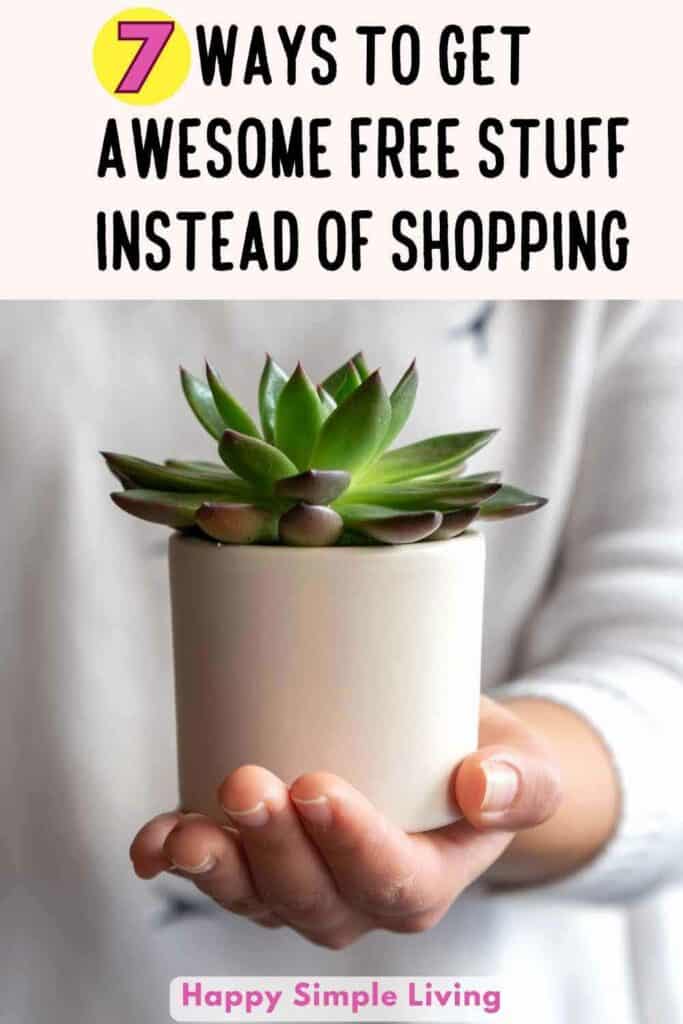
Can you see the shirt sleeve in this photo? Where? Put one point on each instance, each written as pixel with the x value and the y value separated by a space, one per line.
pixel 607 641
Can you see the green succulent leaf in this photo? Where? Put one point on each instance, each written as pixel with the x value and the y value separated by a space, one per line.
pixel 200 466
pixel 254 460
pixel 175 510
pixel 390 525
pixel 273 380
pixel 447 476
pixel 402 402
pixel 457 475
pixel 116 471
pixel 298 419
pixel 434 455
pixel 200 400
pixel 313 526
pixel 351 383
pixel 359 362
pixel 349 438
pixel 152 476
pixel 492 477
pixel 238 523
pixel 455 522
pixel 327 402
pixel 343 382
pixel 509 502
pixel 416 496
pixel 233 415
pixel 315 487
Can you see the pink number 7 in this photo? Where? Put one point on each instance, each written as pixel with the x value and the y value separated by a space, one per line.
pixel 154 36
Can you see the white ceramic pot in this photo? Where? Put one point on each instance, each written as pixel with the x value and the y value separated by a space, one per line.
pixel 359 661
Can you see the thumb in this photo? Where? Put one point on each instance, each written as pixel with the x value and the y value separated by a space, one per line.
pixel 507 787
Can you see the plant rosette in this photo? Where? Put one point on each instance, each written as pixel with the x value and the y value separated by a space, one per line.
pixel 327 589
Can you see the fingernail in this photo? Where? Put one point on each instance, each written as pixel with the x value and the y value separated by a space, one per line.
pixel 253 817
pixel 197 869
pixel 317 810
pixel 502 785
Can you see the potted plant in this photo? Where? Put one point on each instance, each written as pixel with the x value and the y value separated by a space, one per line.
pixel 327 589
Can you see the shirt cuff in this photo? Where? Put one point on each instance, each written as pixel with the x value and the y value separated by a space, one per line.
pixel 637 855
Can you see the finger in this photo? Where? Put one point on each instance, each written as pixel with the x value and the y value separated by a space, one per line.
pixel 288 872
pixel 510 783
pixel 267 920
pixel 211 858
pixel 338 938
pixel 467 852
pixel 381 870
pixel 146 850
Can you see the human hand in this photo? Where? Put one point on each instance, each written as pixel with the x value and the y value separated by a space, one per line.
pixel 320 859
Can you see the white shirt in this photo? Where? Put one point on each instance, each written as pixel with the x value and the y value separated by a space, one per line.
pixel 584 606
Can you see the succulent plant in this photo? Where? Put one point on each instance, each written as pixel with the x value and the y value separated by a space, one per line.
pixel 319 470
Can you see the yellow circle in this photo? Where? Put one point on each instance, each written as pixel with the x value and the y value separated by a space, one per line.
pixel 142 56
